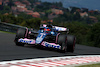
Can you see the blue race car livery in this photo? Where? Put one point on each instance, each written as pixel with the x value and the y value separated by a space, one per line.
pixel 47 36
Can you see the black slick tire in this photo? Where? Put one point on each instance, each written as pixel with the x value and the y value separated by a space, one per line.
pixel 20 34
pixel 62 41
pixel 70 43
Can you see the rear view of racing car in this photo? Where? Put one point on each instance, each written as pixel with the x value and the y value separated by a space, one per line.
pixel 47 36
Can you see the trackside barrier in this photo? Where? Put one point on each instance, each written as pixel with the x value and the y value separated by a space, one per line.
pixel 54 61
pixel 9 27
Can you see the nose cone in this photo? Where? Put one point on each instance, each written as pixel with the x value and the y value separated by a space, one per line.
pixel 38 40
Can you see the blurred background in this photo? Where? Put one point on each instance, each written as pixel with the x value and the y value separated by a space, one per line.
pixel 81 17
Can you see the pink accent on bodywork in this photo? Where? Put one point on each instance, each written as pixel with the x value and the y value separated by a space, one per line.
pixel 53 43
pixel 44 25
pixel 57 37
pixel 30 39
pixel 43 43
pixel 33 41
pixel 29 32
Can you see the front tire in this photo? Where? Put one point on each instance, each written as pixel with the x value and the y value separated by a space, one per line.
pixel 20 34
pixel 62 40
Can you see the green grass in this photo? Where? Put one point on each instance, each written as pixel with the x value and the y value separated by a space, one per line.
pixel 91 65
pixel 7 32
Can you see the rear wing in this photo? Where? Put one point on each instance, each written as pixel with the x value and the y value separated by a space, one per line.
pixel 58 28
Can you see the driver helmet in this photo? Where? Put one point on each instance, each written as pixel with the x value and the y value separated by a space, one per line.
pixel 47 29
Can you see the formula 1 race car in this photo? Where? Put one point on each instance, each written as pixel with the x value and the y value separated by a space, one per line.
pixel 47 36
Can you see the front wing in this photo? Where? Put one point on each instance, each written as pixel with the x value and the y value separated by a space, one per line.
pixel 44 43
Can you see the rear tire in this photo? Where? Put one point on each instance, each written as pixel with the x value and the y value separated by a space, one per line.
pixel 71 43
pixel 20 34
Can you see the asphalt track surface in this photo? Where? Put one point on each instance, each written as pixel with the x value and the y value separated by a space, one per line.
pixel 9 51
